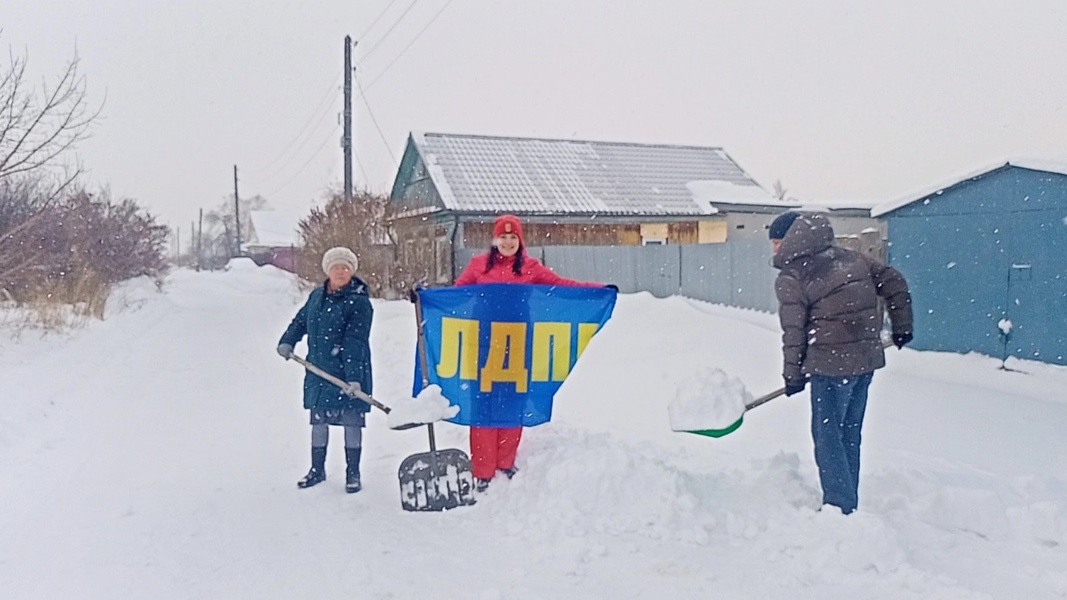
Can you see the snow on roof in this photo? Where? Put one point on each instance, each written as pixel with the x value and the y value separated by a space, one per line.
pixel 544 176
pixel 1025 163
pixel 272 228
pixel 710 193
pixel 828 205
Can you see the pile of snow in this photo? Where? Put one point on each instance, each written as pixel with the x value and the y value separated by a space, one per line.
pixel 430 406
pixel 709 399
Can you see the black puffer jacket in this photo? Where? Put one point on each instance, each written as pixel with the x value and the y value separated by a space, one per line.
pixel 828 303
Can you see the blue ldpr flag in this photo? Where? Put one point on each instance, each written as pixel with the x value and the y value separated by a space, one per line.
pixel 500 351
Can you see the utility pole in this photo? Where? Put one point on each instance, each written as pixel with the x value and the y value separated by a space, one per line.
pixel 236 211
pixel 199 240
pixel 178 242
pixel 346 140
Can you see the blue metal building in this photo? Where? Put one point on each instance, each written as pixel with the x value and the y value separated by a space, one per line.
pixel 986 259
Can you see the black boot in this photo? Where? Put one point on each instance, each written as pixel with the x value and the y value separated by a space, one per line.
pixel 352 483
pixel 510 471
pixel 317 474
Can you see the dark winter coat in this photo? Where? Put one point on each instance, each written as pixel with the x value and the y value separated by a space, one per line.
pixel 337 325
pixel 828 303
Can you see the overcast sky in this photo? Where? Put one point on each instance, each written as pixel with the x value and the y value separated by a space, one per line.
pixel 868 102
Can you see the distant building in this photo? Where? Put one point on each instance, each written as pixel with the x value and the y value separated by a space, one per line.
pixel 986 258
pixel 273 238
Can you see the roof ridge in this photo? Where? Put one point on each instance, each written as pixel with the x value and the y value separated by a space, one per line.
pixel 572 141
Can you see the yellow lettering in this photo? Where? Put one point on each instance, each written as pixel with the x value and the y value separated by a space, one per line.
pixel 551 346
pixel 585 333
pixel 507 357
pixel 459 348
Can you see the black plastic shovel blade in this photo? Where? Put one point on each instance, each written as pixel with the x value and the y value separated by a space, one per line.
pixel 436 481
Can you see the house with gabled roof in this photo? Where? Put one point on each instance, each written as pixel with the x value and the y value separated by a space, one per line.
pixel 449 188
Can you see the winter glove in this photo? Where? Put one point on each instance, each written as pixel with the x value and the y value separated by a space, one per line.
pixel 900 339
pixel 795 386
pixel 285 351
pixel 612 286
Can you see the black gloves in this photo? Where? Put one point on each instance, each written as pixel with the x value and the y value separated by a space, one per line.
pixel 900 339
pixel 413 295
pixel 795 386
pixel 612 286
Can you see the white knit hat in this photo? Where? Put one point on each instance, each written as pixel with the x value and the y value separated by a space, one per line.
pixel 339 255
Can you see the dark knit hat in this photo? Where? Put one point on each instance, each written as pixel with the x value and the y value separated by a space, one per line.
pixel 781 224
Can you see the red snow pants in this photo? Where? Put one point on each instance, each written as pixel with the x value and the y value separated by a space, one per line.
pixel 493 448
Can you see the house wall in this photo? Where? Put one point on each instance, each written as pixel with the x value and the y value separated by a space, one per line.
pixel 590 232
pixel 990 248
pixel 425 249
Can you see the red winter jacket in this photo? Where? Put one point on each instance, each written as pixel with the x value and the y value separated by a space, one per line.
pixel 532 272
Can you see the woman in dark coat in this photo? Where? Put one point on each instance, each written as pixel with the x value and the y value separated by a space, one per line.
pixel 336 319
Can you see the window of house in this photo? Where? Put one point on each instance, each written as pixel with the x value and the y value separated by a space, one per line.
pixel 442 253
pixel 654 234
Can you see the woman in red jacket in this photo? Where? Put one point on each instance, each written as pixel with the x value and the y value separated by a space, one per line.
pixel 494 448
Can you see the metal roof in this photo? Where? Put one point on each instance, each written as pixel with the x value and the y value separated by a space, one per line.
pixel 1022 163
pixel 542 176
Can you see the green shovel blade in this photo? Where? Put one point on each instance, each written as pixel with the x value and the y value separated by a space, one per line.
pixel 716 433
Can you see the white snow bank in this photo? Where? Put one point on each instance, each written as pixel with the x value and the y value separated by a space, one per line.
pixel 430 406
pixel 708 399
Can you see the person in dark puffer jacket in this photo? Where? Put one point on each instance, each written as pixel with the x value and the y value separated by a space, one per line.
pixel 831 322
pixel 336 319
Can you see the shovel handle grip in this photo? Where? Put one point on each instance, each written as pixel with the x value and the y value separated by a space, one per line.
pixel 886 343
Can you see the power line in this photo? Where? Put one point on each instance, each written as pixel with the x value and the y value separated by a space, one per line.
pixel 316 115
pixel 376 19
pixel 385 35
pixel 374 120
pixel 410 44
pixel 313 156
pixel 366 179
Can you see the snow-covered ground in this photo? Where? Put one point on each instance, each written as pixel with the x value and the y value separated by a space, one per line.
pixel 155 455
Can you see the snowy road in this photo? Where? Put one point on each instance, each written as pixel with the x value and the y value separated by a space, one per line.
pixel 155 455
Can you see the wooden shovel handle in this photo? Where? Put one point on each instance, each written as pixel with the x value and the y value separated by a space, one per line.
pixel 360 394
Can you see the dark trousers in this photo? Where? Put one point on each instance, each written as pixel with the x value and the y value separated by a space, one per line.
pixel 837 407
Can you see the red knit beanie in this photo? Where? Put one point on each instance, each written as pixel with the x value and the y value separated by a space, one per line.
pixel 508 224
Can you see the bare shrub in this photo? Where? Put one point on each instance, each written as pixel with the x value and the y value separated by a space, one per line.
pixel 70 252
pixel 359 225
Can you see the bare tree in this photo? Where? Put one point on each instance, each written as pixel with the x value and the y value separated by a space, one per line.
pixel 219 233
pixel 780 191
pixel 40 125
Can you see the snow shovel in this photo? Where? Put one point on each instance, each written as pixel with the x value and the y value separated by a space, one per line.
pixel 439 479
pixel 355 393
pixel 717 433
